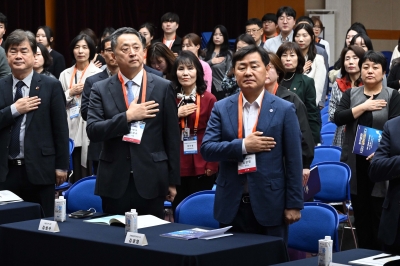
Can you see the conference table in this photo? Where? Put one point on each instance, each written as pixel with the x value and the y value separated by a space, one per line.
pixel 19 211
pixel 80 243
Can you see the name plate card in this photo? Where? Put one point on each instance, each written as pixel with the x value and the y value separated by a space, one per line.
pixel 136 239
pixel 48 226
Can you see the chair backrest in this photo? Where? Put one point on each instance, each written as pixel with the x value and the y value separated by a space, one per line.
pixel 328 127
pixel 388 56
pixel 71 146
pixel 197 209
pixel 325 119
pixel 324 110
pixel 327 138
pixel 317 221
pixel 205 37
pixel 326 154
pixel 335 182
pixel 80 196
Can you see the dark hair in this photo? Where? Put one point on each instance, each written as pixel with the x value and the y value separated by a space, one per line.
pixel 239 55
pixel 317 20
pixel 357 27
pixel 312 51
pixel 107 32
pixel 195 39
pixel 288 10
pixel 270 16
pixel 19 36
pixel 157 50
pixel 244 38
pixel 150 27
pixel 88 40
pixel 366 39
pixel 306 20
pixel 359 52
pixel 398 45
pixel 171 17
pixel 254 21
pixel 91 34
pixel 48 32
pixel 376 57
pixel 292 46
pixel 48 60
pixel 125 30
pixel 224 50
pixel 103 43
pixel 188 58
pixel 277 62
pixel 3 19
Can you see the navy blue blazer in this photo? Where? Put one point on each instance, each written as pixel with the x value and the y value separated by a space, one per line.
pixel 277 183
pixel 385 165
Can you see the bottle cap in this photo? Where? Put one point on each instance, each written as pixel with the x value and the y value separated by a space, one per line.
pixel 133 210
pixel 327 238
pixel 61 197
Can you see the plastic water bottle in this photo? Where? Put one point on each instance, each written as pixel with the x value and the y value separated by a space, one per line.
pixel 60 212
pixel 325 251
pixel 131 221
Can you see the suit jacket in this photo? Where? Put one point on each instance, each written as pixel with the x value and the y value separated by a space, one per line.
pixel 277 183
pixel 58 64
pixel 4 67
pixel 385 165
pixel 152 71
pixel 46 132
pixel 176 46
pixel 155 161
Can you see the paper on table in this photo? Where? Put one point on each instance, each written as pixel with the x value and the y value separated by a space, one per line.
pixel 143 220
pixel 372 262
pixel 8 196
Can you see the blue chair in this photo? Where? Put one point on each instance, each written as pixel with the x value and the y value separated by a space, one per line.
pixel 388 56
pixel 324 110
pixel 328 127
pixel 327 138
pixel 197 209
pixel 326 154
pixel 317 221
pixel 205 37
pixel 67 184
pixel 80 196
pixel 335 187
pixel 325 119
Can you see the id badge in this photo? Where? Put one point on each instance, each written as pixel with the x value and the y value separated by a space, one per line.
pixel 185 133
pixel 248 165
pixel 190 145
pixel 136 132
pixel 74 111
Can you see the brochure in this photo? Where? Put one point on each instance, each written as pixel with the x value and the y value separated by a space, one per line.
pixel 143 220
pixel 367 140
pixel 198 233
pixel 7 196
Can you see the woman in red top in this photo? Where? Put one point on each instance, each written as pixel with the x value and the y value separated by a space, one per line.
pixel 194 110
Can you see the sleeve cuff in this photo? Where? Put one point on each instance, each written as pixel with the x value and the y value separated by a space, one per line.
pixel 244 151
pixel 14 111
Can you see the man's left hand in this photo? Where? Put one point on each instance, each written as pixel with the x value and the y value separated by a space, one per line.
pixel 61 177
pixel 292 216
pixel 171 193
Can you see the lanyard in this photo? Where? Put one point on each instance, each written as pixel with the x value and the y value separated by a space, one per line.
pixel 124 92
pixel 170 45
pixel 74 73
pixel 275 88
pixel 240 116
pixel 196 123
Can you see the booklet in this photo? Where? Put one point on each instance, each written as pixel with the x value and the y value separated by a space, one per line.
pixel 313 185
pixel 7 196
pixel 198 233
pixel 367 140
pixel 377 260
pixel 143 220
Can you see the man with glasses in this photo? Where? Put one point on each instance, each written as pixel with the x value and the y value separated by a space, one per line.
pixel 255 29
pixel 270 25
pixel 286 20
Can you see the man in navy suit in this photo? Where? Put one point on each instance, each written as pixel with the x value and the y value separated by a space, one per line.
pixel 257 140
pixel 385 166
pixel 134 113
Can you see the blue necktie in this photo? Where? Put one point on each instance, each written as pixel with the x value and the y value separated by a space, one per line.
pixel 15 141
pixel 131 96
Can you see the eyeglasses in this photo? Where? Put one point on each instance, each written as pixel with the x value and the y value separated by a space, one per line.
pixel 108 50
pixel 268 22
pixel 252 31
pixel 288 18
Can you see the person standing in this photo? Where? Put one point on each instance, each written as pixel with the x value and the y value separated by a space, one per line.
pixel 169 24
pixel 270 25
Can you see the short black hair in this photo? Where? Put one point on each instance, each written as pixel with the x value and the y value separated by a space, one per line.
pixel 254 21
pixel 3 19
pixel 103 42
pixel 47 31
pixel 270 16
pixel 107 32
pixel 89 41
pixel 19 36
pixel 125 30
pixel 305 19
pixel 376 57
pixel 171 17
pixel 239 55
pixel 48 60
pixel 244 38
pixel 292 46
pixel 288 10
pixel 367 40
pixel 150 27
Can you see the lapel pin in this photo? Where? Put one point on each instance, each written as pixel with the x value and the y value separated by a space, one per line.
pixel 294 89
pixel 270 110
pixel 37 88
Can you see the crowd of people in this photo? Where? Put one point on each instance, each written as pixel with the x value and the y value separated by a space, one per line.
pixel 160 119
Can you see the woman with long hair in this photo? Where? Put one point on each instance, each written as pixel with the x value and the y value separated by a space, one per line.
pixel 147 30
pixel 42 61
pixel 160 58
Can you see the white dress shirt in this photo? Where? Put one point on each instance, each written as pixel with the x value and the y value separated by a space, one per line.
pixel 137 82
pixel 272 45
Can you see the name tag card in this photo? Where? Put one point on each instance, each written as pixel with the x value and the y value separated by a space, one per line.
pixel 48 226
pixel 248 165
pixel 136 239
pixel 185 133
pixel 136 132
pixel 190 145
pixel 74 111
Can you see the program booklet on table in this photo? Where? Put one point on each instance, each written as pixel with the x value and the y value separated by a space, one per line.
pixel 198 233
pixel 367 140
pixel 7 196
pixel 377 260
pixel 143 220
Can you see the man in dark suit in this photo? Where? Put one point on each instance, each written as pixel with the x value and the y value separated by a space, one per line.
pixel 385 166
pixel 169 24
pixel 142 171
pixel 34 130
pixel 257 140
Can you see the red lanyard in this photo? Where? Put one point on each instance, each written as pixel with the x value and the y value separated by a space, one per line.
pixel 275 88
pixel 240 116
pixel 144 87
pixel 170 45
pixel 196 123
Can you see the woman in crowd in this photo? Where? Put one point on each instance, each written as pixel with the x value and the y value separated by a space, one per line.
pixel 194 110
pixel 160 58
pixel 362 40
pixel 314 68
pixel 147 30
pixel 107 32
pixel 97 60
pixel 229 84
pixel 219 58
pixel 191 42
pixel 44 35
pixel 350 72
pixel 393 80
pixel 42 61
pixel 396 53
pixel 276 73
pixel 72 79
pixel 318 28
pixel 370 105
pixel 293 60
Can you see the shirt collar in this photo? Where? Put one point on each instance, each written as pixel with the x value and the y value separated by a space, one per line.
pixel 137 79
pixel 288 38
pixel 258 100
pixel 109 72
pixel 27 80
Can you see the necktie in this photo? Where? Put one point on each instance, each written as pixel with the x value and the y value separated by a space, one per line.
pixel 15 141
pixel 131 96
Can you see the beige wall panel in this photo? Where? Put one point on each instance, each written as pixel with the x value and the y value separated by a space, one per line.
pixel 314 4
